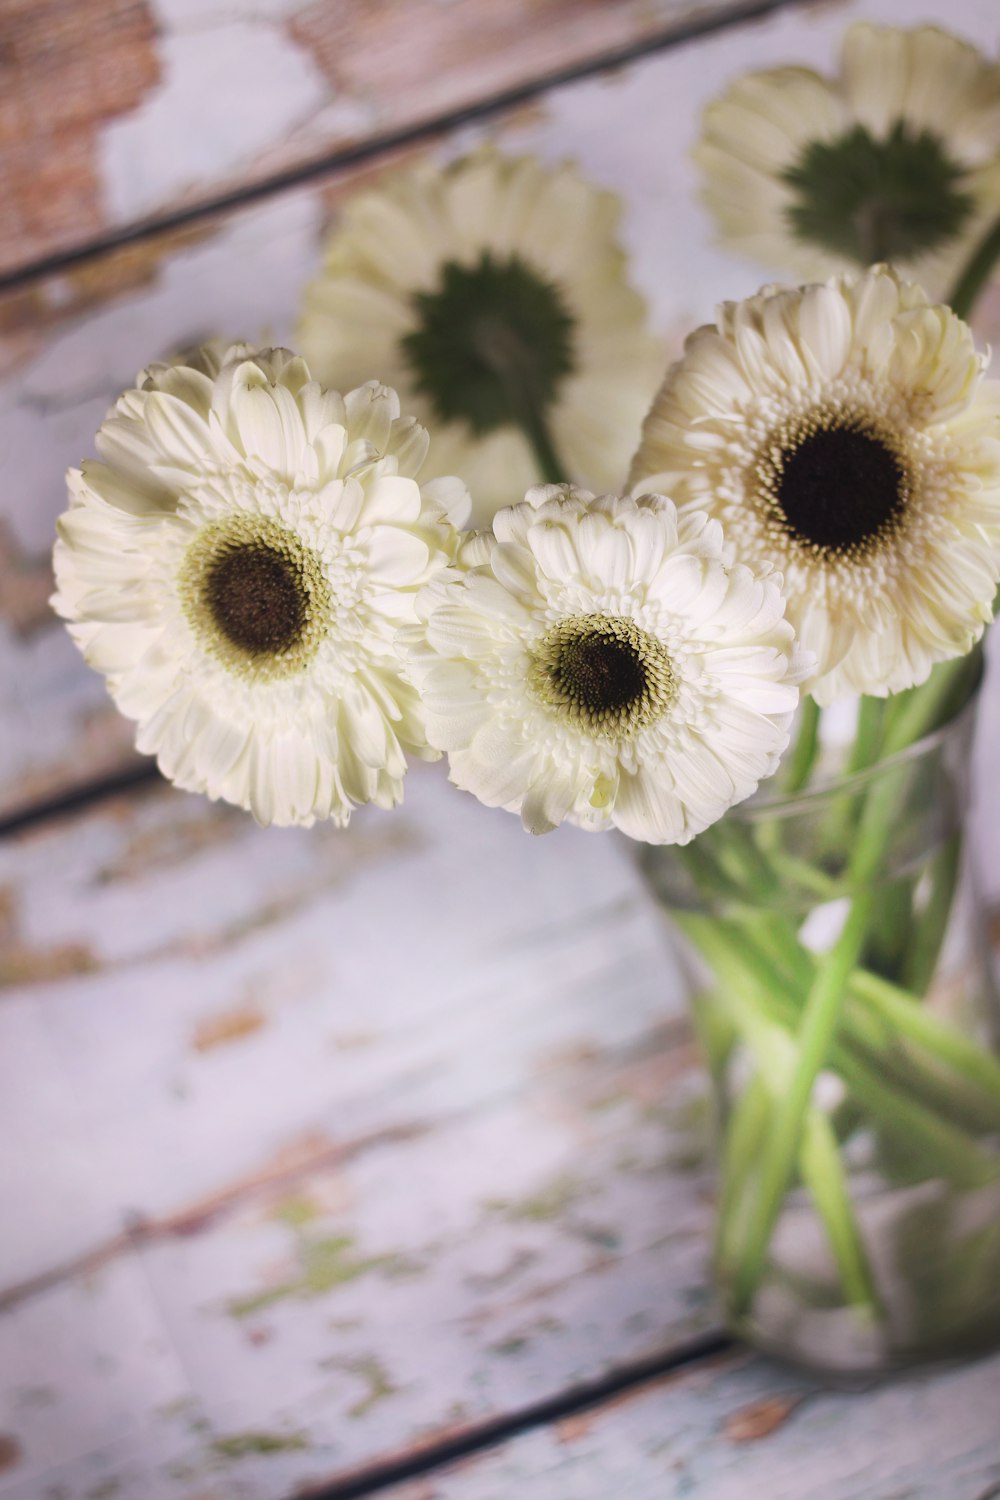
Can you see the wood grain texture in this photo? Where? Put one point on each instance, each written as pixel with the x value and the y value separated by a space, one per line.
pixel 112 112
pixel 70 343
pixel 67 68
pixel 745 1427
pixel 318 1146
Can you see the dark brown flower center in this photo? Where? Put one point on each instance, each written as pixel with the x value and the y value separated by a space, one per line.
pixel 604 673
pixel 256 596
pixel 600 673
pixel 257 599
pixel 837 484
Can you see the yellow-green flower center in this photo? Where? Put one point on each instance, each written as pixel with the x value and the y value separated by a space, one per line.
pixel 492 341
pixel 256 596
pixel 604 673
pixel 872 199
pixel 837 482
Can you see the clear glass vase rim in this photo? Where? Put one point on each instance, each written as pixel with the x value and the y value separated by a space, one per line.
pixel 756 806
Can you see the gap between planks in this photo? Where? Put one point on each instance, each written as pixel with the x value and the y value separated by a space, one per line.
pixel 424 130
pixel 490 1434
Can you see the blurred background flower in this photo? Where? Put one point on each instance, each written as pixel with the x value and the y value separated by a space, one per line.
pixel 493 294
pixel 896 158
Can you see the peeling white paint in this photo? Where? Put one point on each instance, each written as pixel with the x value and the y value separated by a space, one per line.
pixel 227 94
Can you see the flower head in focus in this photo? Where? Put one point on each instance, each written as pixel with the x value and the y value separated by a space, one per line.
pixel 239 565
pixel 492 295
pixel 844 432
pixel 607 664
pixel 897 159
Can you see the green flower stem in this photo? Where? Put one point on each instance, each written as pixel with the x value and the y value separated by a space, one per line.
pixel 752 986
pixel 943 1148
pixel 921 710
pixel 907 1017
pixel 818 1029
pixel 878 1017
pixel 822 1011
pixel 823 1175
pixel 752 1120
pixel 504 353
pixel 532 423
pixel 975 273
pixel 803 755
pixel 747 1128
pixel 868 736
pixel 818 1160
pixel 949 1073
pixel 927 935
pixel 740 857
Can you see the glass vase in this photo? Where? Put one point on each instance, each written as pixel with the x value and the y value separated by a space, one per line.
pixel 842 987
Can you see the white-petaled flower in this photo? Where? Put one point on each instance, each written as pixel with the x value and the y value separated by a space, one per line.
pixel 844 432
pixel 239 565
pixel 608 666
pixel 897 159
pixel 490 294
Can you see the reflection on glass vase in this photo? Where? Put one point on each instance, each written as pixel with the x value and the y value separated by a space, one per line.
pixel 842 987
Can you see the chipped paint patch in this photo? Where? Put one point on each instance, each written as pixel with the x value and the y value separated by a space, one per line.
pixel 10 1452
pixel 227 1026
pixel 25 585
pixel 24 963
pixel 760 1419
pixel 20 964
pixel 572 1429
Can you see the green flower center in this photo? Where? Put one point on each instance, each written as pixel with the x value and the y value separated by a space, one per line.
pixel 837 483
pixel 872 200
pixel 493 342
pixel 604 673
pixel 256 596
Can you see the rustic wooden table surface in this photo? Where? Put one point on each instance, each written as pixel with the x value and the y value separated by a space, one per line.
pixel 364 1162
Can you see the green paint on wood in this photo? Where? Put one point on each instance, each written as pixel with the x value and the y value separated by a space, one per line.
pixel 325 1265
pixel 549 1203
pixel 249 1444
pixel 296 1211
pixel 380 1386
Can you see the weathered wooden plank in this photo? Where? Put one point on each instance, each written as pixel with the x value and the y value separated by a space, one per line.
pixel 70 343
pixel 320 1144
pixel 114 112
pixel 743 1427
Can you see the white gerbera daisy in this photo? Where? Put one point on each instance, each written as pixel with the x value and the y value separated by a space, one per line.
pixel 897 159
pixel 844 432
pixel 491 294
pixel 609 665
pixel 239 567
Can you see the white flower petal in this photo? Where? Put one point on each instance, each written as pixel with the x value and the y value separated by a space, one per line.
pixel 281 688
pixel 886 536
pixel 554 703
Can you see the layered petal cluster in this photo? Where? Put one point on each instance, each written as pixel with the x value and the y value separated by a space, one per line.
pixel 845 433
pixel 604 662
pixel 447 281
pixel 238 565
pixel 897 158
